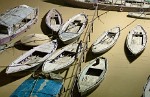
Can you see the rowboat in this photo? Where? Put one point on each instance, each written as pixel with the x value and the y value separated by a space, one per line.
pixel 33 57
pixel 54 20
pixel 106 41
pixel 136 40
pixel 15 21
pixel 62 58
pixel 92 75
pixel 39 87
pixel 73 28
pixel 34 39
pixel 146 92
pixel 139 15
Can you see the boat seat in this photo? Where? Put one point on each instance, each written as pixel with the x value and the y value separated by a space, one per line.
pixel 138 35
pixel 110 34
pixel 79 24
pixel 97 62
pixel 56 15
pixel 77 21
pixel 69 53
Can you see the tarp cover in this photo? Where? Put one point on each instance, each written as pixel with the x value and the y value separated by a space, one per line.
pixel 38 88
pixel 15 15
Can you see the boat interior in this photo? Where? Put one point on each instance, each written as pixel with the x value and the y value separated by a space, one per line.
pixel 108 38
pixel 55 20
pixel 69 53
pixel 62 56
pixel 94 72
pixel 137 38
pixel 31 59
pixel 111 34
pixel 3 29
pixel 74 27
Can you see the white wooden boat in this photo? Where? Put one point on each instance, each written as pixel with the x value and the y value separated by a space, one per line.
pixel 15 21
pixel 33 57
pixel 136 40
pixel 54 20
pixel 146 92
pixel 62 58
pixel 92 75
pixel 140 15
pixel 106 41
pixel 112 5
pixel 35 39
pixel 73 28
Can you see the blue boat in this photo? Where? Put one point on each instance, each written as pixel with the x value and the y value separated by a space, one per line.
pixel 39 87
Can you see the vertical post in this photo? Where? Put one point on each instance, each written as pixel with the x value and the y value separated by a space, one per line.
pixel 92 27
pixel 89 37
pixel 85 46
pixel 82 60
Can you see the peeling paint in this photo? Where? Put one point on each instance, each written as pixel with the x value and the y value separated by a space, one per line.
pixel 33 96
pixel 42 85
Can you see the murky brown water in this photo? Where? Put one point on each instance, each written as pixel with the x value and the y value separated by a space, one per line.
pixel 126 75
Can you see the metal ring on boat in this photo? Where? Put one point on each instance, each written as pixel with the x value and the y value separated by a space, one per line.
pixel 121 9
pixel 95 4
pixel 141 10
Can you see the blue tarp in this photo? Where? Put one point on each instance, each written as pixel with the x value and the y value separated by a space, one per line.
pixel 38 88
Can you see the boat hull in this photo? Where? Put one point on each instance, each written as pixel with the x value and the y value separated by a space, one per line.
pixel 62 58
pixel 146 92
pixel 106 41
pixel 33 57
pixel 136 40
pixel 20 30
pixel 110 7
pixel 92 75
pixel 35 39
pixel 139 15
pixel 73 28
pixel 55 16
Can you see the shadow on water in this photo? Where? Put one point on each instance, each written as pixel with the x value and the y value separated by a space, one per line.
pixel 142 95
pixel 20 46
pixel 129 55
pixel 75 92
pixel 47 31
pixel 8 78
